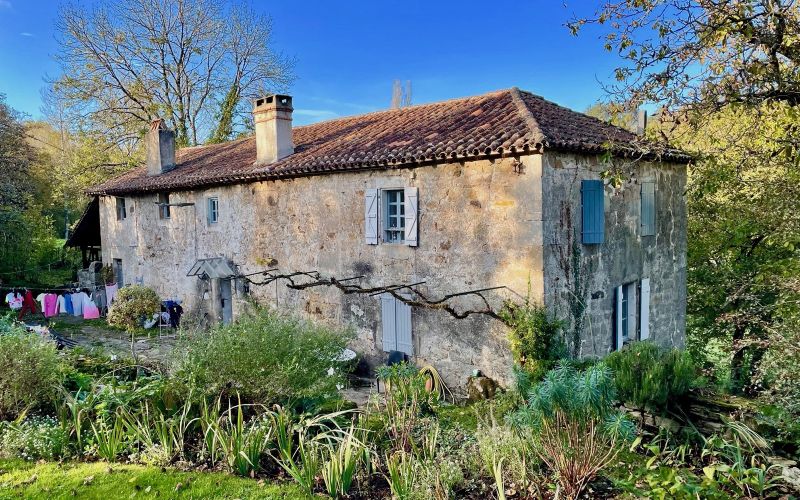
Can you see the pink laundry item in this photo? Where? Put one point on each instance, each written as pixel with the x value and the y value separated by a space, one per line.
pixel 90 310
pixel 111 293
pixel 50 303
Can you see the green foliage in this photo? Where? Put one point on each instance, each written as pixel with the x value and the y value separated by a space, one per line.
pixel 133 304
pixel 400 468
pixel 31 373
pixel 576 430
pixel 111 436
pixel 34 438
pixel 341 461
pixel 265 358
pixel 499 444
pixel 242 444
pixel 535 338
pixel 406 400
pixel 651 377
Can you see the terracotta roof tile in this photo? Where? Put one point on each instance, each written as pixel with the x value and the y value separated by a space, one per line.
pixel 507 121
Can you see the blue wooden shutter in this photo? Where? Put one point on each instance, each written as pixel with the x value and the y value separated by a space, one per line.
pixel 388 322
pixel 592 212
pixel 403 327
pixel 209 209
pixel 371 216
pixel 648 208
pixel 411 200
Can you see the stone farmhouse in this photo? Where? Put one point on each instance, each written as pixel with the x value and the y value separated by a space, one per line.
pixel 398 222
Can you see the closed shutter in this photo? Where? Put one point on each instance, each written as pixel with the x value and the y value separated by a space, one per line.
pixel 371 216
pixel 618 343
pixel 644 315
pixel 592 212
pixel 388 323
pixel 648 208
pixel 403 327
pixel 411 215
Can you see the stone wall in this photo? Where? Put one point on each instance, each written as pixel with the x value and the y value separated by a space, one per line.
pixel 580 279
pixel 480 225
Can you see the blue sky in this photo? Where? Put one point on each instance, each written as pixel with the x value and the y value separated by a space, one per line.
pixel 349 52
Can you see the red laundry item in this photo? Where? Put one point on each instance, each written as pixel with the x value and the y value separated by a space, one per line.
pixel 28 305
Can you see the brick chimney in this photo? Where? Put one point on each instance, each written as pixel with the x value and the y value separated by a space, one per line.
pixel 160 145
pixel 273 118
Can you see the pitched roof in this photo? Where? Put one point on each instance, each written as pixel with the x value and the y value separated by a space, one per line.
pixel 506 121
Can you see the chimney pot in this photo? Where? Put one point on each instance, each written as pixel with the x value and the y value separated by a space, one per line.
pixel 160 145
pixel 272 115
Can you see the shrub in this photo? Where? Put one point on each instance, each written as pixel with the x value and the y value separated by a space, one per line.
pixel 133 304
pixel 575 429
pixel 406 399
pixel 535 338
pixel 31 373
pixel 499 444
pixel 33 439
pixel 264 358
pixel 649 376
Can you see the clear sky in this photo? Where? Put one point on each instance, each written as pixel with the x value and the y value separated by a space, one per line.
pixel 349 52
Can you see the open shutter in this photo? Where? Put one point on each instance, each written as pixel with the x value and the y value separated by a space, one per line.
pixel 648 208
pixel 592 212
pixel 403 328
pixel 371 216
pixel 618 343
pixel 644 314
pixel 209 218
pixel 411 197
pixel 388 322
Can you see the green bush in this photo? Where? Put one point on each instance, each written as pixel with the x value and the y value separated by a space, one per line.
pixel 576 431
pixel 133 304
pixel 31 372
pixel 33 439
pixel 649 376
pixel 264 358
pixel 535 337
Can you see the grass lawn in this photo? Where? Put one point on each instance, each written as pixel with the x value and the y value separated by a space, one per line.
pixel 19 479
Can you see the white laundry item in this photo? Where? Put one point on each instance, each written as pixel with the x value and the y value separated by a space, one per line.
pixel 60 307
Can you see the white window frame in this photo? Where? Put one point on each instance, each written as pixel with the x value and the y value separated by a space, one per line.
pixel 212 213
pixel 120 208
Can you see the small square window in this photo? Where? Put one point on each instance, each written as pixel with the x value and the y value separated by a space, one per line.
pixel 120 205
pixel 163 206
pixel 213 210
pixel 394 220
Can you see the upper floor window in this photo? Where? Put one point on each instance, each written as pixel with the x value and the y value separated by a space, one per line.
pixel 390 216
pixel 163 206
pixel 394 223
pixel 213 210
pixel 120 206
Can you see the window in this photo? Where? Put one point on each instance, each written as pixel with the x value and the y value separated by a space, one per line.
pixel 592 212
pixel 625 314
pixel 121 213
pixel 163 205
pixel 648 208
pixel 396 325
pixel 390 216
pixel 213 210
pixel 394 221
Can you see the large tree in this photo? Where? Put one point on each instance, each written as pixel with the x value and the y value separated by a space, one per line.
pixel 191 62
